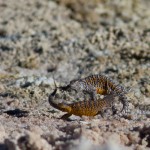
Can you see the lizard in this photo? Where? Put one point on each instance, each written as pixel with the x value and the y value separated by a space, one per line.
pixel 82 108
pixel 99 84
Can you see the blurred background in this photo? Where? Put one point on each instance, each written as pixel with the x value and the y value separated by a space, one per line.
pixel 69 39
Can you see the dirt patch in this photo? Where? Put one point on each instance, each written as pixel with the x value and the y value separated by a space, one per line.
pixel 71 39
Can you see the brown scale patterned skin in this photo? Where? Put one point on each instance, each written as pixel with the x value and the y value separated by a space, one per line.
pixel 82 108
pixel 99 84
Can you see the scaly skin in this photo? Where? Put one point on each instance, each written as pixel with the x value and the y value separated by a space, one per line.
pixel 99 84
pixel 82 108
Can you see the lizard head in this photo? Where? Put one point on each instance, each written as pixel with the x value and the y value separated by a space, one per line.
pixel 76 85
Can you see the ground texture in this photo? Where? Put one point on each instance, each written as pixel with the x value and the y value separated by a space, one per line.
pixel 68 39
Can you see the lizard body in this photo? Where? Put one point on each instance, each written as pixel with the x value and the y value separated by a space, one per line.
pixel 99 84
pixel 82 108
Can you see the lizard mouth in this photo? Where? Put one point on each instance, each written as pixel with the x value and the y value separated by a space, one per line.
pixel 64 88
pixel 54 92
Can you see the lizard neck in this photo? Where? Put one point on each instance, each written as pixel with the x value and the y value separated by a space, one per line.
pixel 60 106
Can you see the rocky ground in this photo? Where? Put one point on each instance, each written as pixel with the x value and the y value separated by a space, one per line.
pixel 69 39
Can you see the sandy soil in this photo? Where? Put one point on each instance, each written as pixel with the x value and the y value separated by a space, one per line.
pixel 70 39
